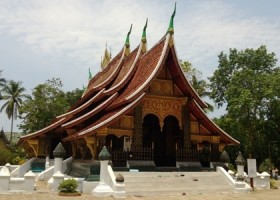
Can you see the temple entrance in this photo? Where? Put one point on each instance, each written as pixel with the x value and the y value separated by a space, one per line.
pixel 54 143
pixel 163 143
pixel 114 143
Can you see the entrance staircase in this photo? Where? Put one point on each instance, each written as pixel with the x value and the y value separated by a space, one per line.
pixel 171 183
pixel 85 169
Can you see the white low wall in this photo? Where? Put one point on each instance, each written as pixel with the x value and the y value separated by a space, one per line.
pixel 261 181
pixel 10 184
pixel 25 167
pixel 228 177
pixel 46 174
pixel 110 177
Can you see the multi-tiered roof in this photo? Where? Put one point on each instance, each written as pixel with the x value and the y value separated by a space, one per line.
pixel 121 85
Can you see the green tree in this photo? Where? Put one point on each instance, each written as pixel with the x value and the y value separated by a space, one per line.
pixel 73 96
pixel 13 94
pixel 48 101
pixel 200 85
pixel 246 83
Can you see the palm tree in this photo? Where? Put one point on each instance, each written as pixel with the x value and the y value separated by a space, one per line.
pixel 13 95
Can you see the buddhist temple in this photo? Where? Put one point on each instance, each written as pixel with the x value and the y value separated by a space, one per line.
pixel 140 106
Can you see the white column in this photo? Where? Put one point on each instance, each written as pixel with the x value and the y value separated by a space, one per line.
pixel 102 189
pixel 240 172
pixel 58 177
pixel 4 179
pixel 103 170
pixel 119 191
pixel 58 164
pixel 29 181
pixel 47 165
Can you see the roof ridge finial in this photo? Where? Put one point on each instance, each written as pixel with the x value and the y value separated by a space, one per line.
pixel 144 39
pixel 127 43
pixel 171 23
pixel 89 74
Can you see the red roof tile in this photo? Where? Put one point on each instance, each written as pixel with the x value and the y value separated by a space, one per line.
pixel 145 70
pixel 105 120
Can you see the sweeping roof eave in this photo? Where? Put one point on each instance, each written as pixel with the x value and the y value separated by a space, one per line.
pixel 95 98
pixel 42 131
pixel 197 110
pixel 185 86
pixel 91 113
pixel 91 90
pixel 105 120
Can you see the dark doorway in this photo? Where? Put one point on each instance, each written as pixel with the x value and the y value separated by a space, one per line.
pixel 163 142
pixel 171 131
pixel 152 138
pixel 114 143
pixel 54 143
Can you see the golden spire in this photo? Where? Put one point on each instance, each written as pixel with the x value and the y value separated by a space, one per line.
pixel 106 58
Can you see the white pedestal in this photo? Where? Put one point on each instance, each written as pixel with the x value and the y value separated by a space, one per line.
pixel 102 190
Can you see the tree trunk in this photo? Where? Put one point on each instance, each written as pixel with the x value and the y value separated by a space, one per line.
pixel 12 123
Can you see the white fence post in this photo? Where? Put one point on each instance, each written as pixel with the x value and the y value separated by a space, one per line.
pixel 4 179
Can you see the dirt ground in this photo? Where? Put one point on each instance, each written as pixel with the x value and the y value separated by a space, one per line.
pixel 273 194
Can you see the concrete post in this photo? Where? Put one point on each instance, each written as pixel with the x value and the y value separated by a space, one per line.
pixel 119 191
pixel 4 179
pixel 29 181
pixel 47 165
pixel 240 172
pixel 8 165
pixel 240 167
pixel 103 189
pixel 58 154
pixel 119 187
pixel 57 165
pixel 58 177
pixel 103 170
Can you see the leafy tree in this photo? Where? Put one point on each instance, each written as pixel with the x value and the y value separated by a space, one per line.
pixel 48 101
pixel 194 76
pixel 73 96
pixel 246 82
pixel 13 94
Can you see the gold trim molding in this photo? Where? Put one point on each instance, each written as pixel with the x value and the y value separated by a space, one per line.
pixel 163 106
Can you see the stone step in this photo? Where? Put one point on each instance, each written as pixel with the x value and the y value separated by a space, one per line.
pixel 157 183
pixel 81 169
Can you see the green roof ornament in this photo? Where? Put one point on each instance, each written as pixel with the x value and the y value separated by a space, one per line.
pixel 59 151
pixel 171 23
pixel 104 154
pixel 240 160
pixel 144 40
pixel 127 44
pixel 89 74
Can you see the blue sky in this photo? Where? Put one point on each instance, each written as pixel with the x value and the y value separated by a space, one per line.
pixel 41 39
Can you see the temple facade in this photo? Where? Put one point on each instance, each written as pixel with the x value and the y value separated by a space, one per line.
pixel 141 106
